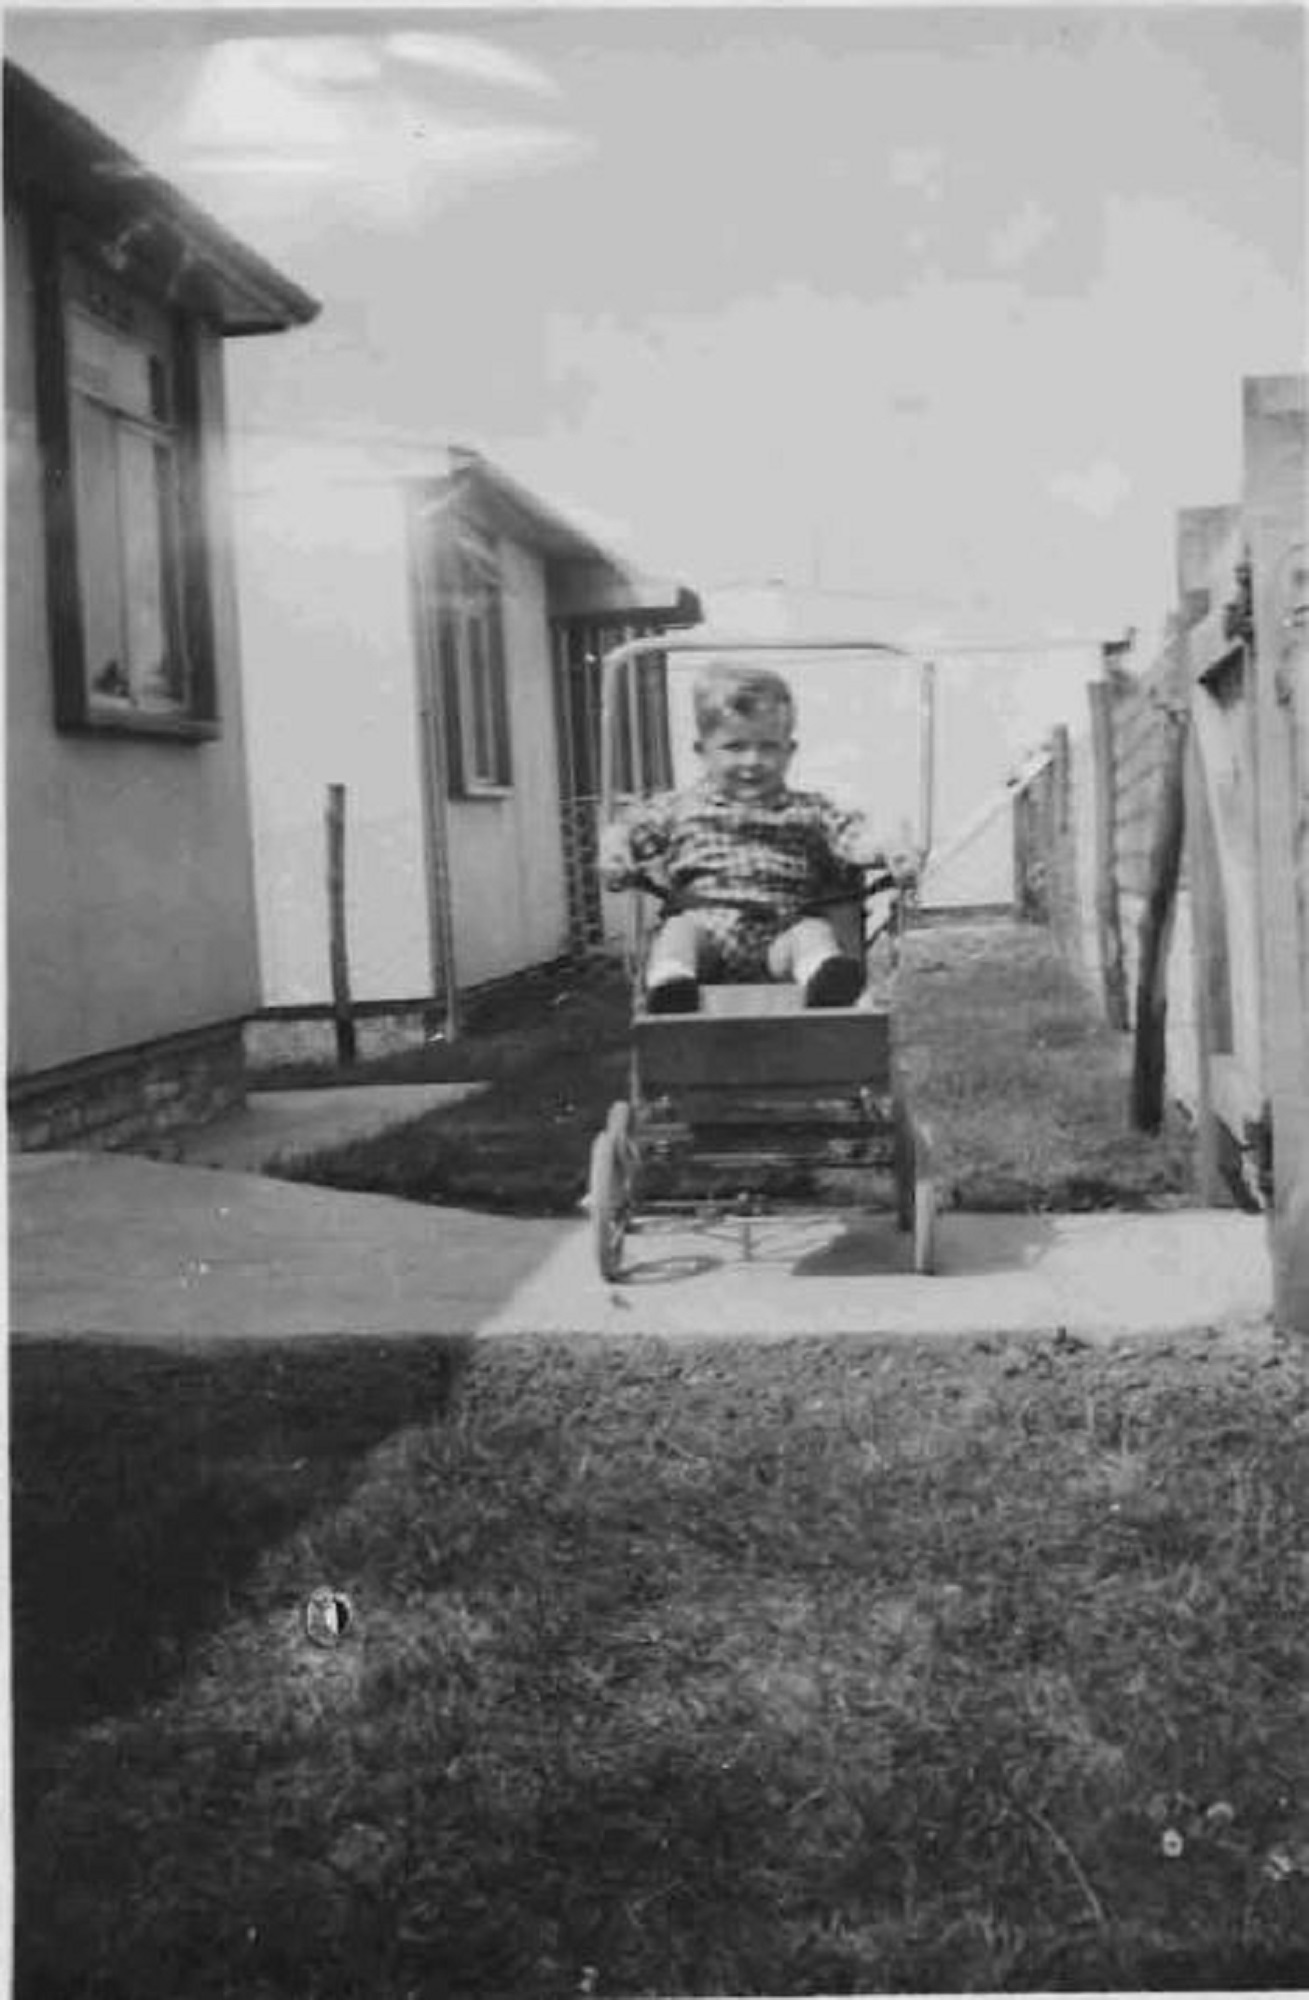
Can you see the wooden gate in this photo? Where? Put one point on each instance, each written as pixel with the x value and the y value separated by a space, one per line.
pixel 1238 713
pixel 1275 499
pixel 1222 792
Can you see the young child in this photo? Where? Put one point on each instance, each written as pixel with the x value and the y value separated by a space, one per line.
pixel 742 855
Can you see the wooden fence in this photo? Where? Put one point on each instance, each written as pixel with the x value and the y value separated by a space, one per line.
pixel 1045 885
pixel 1168 843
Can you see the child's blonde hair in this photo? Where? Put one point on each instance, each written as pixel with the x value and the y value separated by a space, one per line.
pixel 724 692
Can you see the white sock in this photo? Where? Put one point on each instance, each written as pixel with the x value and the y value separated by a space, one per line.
pixel 806 967
pixel 668 968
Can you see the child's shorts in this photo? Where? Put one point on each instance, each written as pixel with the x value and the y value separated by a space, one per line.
pixel 734 944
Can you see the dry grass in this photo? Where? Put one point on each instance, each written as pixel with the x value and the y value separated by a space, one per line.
pixel 521 1145
pixel 800 1668
pixel 1026 1086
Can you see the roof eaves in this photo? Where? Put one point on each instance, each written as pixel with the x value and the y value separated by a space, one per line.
pixel 542 524
pixel 52 146
pixel 593 580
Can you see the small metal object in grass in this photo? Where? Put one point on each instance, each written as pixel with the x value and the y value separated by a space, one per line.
pixel 328 1616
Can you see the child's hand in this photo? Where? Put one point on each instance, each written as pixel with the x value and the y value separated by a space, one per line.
pixel 615 858
pixel 904 868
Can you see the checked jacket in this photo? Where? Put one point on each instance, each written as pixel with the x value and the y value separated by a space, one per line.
pixel 767 860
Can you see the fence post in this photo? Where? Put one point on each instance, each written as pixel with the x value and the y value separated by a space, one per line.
pixel 1022 847
pixel 1108 915
pixel 1150 1059
pixel 342 1011
pixel 1063 865
pixel 1200 874
pixel 1203 537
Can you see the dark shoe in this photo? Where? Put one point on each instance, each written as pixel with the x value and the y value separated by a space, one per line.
pixel 673 996
pixel 837 982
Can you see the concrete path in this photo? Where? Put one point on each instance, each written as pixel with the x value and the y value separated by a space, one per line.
pixel 1095 1275
pixel 284 1125
pixel 105 1243
pixel 108 1243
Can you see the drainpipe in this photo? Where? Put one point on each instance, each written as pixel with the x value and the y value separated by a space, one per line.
pixel 434 765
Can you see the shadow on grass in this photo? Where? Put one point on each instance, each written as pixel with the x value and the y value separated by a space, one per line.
pixel 146 1483
pixel 715 1667
pixel 1005 1051
pixel 519 1147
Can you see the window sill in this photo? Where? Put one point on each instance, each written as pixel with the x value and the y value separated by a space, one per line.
pixel 135 722
pixel 473 794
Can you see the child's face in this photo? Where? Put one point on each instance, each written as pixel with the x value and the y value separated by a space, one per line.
pixel 746 757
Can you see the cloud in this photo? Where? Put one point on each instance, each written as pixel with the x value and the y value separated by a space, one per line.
pixel 1098 490
pixel 328 59
pixel 1018 235
pixel 353 112
pixel 918 167
pixel 469 56
pixel 250 98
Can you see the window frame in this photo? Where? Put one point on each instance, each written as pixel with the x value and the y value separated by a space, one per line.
pixel 56 243
pixel 643 755
pixel 474 667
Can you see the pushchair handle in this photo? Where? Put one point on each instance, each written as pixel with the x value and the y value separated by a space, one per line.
pixel 871 882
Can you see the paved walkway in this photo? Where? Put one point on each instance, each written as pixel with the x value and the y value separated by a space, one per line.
pixel 208 1247
pixel 284 1125
pixel 1095 1275
pixel 105 1243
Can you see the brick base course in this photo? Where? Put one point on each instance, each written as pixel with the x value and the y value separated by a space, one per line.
pixel 285 1036
pixel 125 1097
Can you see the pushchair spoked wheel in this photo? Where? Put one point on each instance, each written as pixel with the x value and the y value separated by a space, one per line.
pixel 610 1189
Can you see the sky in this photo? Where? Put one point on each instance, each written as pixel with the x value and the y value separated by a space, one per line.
pixel 936 316
pixel 940 313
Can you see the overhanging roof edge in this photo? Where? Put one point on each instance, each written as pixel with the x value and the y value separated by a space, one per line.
pixel 101 174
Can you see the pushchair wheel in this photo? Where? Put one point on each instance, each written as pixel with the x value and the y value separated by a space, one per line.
pixel 609 1194
pixel 915 1188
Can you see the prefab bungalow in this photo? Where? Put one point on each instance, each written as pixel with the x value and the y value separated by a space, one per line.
pixel 422 640
pixel 132 941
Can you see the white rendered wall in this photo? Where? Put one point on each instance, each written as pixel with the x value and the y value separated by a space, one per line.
pixel 331 699
pixel 131 906
pixel 506 852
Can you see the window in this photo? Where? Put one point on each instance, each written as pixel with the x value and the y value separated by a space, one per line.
pixel 471 638
pixel 643 757
pixel 127 556
pixel 640 719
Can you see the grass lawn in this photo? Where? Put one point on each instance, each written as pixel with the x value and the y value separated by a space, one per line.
pixel 675 1669
pixel 804 1667
pixel 1024 1083
pixel 521 1145
pixel 1026 1087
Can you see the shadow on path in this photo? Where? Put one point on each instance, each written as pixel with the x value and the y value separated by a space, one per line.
pixel 872 1247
